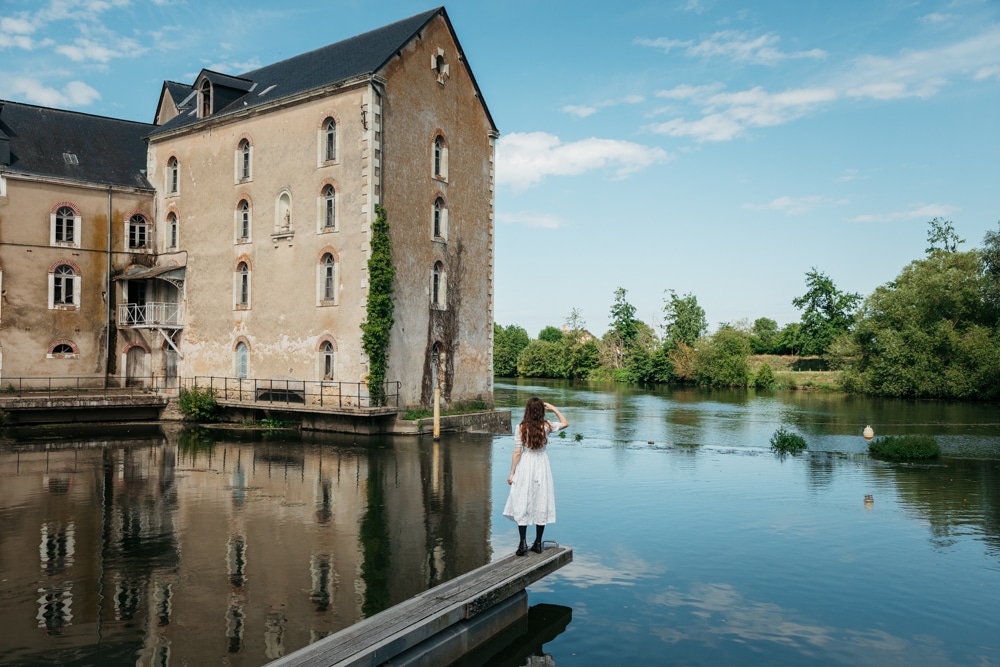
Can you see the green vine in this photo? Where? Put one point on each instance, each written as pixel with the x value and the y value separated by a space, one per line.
pixel 378 323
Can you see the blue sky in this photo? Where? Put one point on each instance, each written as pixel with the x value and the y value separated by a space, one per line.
pixel 706 146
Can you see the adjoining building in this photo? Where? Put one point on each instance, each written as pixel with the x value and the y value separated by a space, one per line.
pixel 235 244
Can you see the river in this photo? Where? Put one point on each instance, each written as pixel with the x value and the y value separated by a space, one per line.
pixel 693 543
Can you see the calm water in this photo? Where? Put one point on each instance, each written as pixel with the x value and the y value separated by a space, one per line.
pixel 694 545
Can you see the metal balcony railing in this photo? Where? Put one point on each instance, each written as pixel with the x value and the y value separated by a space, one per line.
pixel 152 314
pixel 304 393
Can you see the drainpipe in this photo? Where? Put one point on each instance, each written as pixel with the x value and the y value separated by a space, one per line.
pixel 107 298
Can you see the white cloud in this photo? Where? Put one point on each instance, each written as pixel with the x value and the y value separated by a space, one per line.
pixel 848 175
pixel 727 115
pixel 795 205
pixel 83 49
pixel 734 46
pixel 524 159
pixel 585 110
pixel 991 72
pixel 936 17
pixel 915 212
pixel 73 94
pixel 530 219
pixel 579 111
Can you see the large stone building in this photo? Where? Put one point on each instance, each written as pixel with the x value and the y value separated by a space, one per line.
pixel 241 249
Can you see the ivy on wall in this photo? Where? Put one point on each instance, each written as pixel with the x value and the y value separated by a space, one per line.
pixel 378 323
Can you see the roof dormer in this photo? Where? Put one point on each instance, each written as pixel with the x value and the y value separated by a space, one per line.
pixel 217 91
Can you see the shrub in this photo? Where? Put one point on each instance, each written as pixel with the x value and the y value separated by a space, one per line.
pixel 199 404
pixel 764 377
pixel 786 441
pixel 905 447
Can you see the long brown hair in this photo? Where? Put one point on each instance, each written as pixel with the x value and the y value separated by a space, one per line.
pixel 534 428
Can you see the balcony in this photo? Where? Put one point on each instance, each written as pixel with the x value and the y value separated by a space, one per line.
pixel 151 315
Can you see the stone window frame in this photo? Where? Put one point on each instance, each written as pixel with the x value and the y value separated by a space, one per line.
pixel 243 283
pixel 172 177
pixel 439 65
pixel 323 209
pixel 439 157
pixel 74 221
pixel 241 366
pixel 171 230
pixel 328 278
pixel 69 293
pixel 243 160
pixel 326 358
pixel 243 218
pixel 138 227
pixel 439 219
pixel 439 286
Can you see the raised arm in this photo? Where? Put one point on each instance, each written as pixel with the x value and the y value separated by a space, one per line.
pixel 562 420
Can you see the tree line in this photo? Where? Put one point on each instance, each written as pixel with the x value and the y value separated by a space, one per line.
pixel 934 331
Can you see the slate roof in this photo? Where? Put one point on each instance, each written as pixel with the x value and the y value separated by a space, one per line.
pixel 107 151
pixel 361 55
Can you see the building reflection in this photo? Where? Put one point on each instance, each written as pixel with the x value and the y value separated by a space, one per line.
pixel 188 548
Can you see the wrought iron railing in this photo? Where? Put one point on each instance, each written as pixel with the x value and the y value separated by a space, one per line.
pixel 306 393
pixel 150 314
pixel 99 385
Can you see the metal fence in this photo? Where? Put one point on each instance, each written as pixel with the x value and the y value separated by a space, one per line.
pixel 99 385
pixel 315 393
pixel 150 314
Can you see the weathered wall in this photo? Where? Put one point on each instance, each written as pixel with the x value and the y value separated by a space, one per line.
pixel 421 105
pixel 28 327
pixel 283 325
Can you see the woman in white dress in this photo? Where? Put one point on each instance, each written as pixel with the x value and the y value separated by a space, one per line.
pixel 532 498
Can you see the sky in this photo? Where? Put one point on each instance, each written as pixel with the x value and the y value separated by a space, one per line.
pixel 711 147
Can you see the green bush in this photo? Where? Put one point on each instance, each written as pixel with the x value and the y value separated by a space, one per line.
pixel 786 441
pixel 905 447
pixel 199 404
pixel 764 377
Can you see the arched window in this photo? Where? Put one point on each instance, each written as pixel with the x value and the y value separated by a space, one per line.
pixel 64 282
pixel 327 360
pixel 206 98
pixel 172 230
pixel 137 232
pixel 173 176
pixel 329 208
pixel 438 156
pixel 243 221
pixel 242 287
pixel 244 158
pixel 65 225
pixel 439 223
pixel 328 278
pixel 242 360
pixel 329 140
pixel 438 285
pixel 62 348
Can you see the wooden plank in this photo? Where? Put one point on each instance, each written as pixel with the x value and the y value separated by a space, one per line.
pixel 372 641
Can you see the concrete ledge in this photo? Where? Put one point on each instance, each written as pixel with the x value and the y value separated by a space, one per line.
pixel 495 422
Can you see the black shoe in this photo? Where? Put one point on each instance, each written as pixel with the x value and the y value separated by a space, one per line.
pixel 537 547
pixel 522 549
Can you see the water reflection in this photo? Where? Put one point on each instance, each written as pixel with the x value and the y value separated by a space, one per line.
pixel 194 547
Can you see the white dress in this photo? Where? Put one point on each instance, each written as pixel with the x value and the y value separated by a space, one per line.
pixel 532 498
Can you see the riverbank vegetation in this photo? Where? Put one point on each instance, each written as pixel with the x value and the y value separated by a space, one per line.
pixel 905 447
pixel 933 332
pixel 784 441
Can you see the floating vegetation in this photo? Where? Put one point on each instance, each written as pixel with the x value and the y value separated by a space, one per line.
pixel 905 447
pixel 785 441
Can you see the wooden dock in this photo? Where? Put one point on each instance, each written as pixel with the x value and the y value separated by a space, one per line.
pixel 419 630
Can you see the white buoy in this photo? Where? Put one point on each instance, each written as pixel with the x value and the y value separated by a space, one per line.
pixel 868 432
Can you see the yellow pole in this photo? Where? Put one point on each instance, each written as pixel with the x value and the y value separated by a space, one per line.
pixel 437 413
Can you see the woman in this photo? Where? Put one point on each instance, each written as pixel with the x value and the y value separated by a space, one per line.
pixel 532 498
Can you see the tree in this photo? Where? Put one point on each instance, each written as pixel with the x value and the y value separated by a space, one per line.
pixel 684 320
pixel 507 345
pixel 827 312
pixel 764 336
pixel 540 359
pixel 551 334
pixel 991 267
pixel 621 338
pixel 942 237
pixel 928 333
pixel 722 360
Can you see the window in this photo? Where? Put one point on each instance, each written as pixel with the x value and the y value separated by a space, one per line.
pixel 329 140
pixel 64 288
pixel 329 209
pixel 243 160
pixel 206 98
pixel 173 176
pixel 137 231
pixel 326 354
pixel 65 227
pixel 329 278
pixel 242 286
pixel 243 221
pixel 62 348
pixel 440 66
pixel 438 287
pixel 440 158
pixel 172 230
pixel 241 360
pixel 439 226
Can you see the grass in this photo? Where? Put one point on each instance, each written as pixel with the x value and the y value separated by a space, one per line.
pixel 786 371
pixel 905 447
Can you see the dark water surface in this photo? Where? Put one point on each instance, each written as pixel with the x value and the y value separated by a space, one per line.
pixel 694 544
